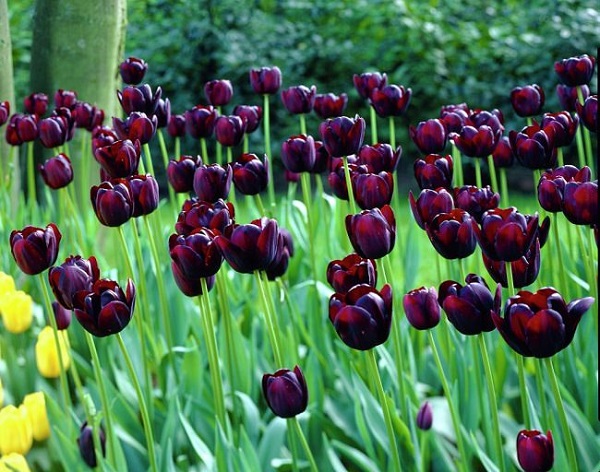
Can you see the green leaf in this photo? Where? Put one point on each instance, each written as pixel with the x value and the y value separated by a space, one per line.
pixel 200 448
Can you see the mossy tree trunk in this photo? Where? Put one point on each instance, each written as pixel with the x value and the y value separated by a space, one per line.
pixel 7 91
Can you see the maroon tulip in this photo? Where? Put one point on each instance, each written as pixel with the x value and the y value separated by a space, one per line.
pixel 21 129
pixel 57 171
pixel 74 275
pixel 469 307
pixel 503 155
pixel 67 116
pixel 365 83
pixel 580 202
pixel 342 136
pixel 562 126
pixel 434 171
pixel 567 96
pixel 551 187
pixel 250 247
pixel 212 182
pixel 476 201
pixel 525 270
pixel 163 113
pixel 138 125
pixel 492 118
pixel 200 214
pixel 391 100
pixel 176 126
pixel 421 308
pixel 53 131
pixel 103 136
pixel 533 147
pixel 362 317
pixel 106 309
pixel 252 116
pixel 285 250
pixel 180 173
pixel 506 234
pixel 4 112
pixel 250 174
pixel 429 136
pixel 265 80
pixel 475 141
pixel 535 451
pixel 575 70
pixel 139 98
pixel 119 159
pixel 65 98
pixel 299 99
pixel 372 190
pixel 424 417
pixel 133 70
pixel 379 157
pixel 527 100
pixel 352 270
pixel 196 254
pixel 87 116
pixel 322 159
pixel 188 286
pixel 62 316
pixel 35 249
pixel 454 117
pixel 229 130
pixel 112 202
pixel 588 113
pixel 451 234
pixel 200 121
pixel 145 195
pixel 330 105
pixel 285 392
pixel 298 153
pixel 85 442
pixel 36 104
pixel 218 92
pixel 290 176
pixel 372 232
pixel 429 204
pixel 337 178
pixel 540 324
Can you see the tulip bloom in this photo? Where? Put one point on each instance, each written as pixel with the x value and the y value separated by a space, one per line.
pixel 551 187
pixel 588 113
pixel 454 117
pixel 190 287
pixel 137 126
pixel 36 104
pixel 421 308
pixel 285 250
pixel 298 153
pixel 200 121
pixel 330 105
pixel 201 214
pixel 112 202
pixel 65 98
pixel 180 173
pixel 144 193
pixel 46 353
pixel 580 202
pixel 35 249
pixel 102 136
pixel 477 141
pixel 85 442
pixel 133 70
pixel 362 317
pixel 525 270
pixel 139 98
pixel 365 83
pixel 451 234
pixel 16 309
pixel 372 190
pixel 372 232
pixel 265 80
pixel 540 324
pixel 14 462
pixel 196 254
pixel 503 155
pixel 120 159
pixel 218 92
pixel 4 112
pixel 212 182
pixel 7 284
pixel 176 126
pixel 250 174
pixel 35 404
pixel 87 116
pixel 62 315
pixel 527 100
pixel 229 130
pixel 285 392
pixel 476 201
pixel 535 450
pixel 567 96
pixel 575 70
pixel 429 204
pixel 337 178
pixel 562 126
pixel 429 136
pixel 252 116
pixel 299 99
pixel 57 171
pixel 379 157
pixel 533 147
pixel 424 417
pixel 391 100
pixel 352 270
pixel 21 129
pixel 434 171
pixel 342 136
pixel 15 431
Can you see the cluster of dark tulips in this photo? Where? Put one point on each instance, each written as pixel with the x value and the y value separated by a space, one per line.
pixel 457 217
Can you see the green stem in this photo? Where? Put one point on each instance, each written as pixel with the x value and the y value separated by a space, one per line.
pixel 373 125
pixel 458 170
pixel 504 187
pixel 302 123
pixel 246 145
pixel 148 155
pixel 204 151
pixel 461 267
pixel 267 131
pixel 560 157
pixel 231 353
pixel 293 422
pixel 392 132
pixel 349 185
pixel 478 180
pixel 32 197
pixel 539 378
pixel 177 147
pixel 142 403
pixel 580 148
pixel 270 321
pixel 260 205
pixel 524 391
pixel 307 197
pixel 557 239
pixel 374 374
pixel 492 169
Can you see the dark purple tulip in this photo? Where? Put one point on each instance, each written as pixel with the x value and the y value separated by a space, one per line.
pixel 492 118
pixel 379 157
pixel 469 307
pixel 218 92
pixel 299 99
pixel 503 155
pixel 434 171
pixel 424 417
pixel 285 250
pixel 365 83
pixel 372 190
pixel 119 159
pixel 36 104
pixel 285 392
pixel 352 270
pixel 533 147
pixel 535 450
pixel 139 98
pixel 163 113
pixel 4 112
pixel 562 126
pixel 85 442
pixel 57 171
pixel 451 234
pixel 322 159
pixel 429 136
pixel 330 105
pixel 298 153
pixel 250 247
pixel 106 309
pixel 112 202
pixel 454 117
pixel 138 125
pixel 61 315
pixel 176 126
pixel 251 114
pixel 391 100
pixel 265 80
pixel 476 141
pixel 250 174
pixel 372 232
pixel 362 317
pixel 567 96
pixel 87 116
pixel 180 173
pixel 527 100
pixel 229 130
pixel 540 324
pixel 196 254
pixel 588 113
pixel 337 179
pixel 65 98
pixel 35 249
pixel 26 127
pixel 525 270
pixel 429 204
pixel 476 201
pixel 342 136
pixel 575 70
pixel 145 195
pixel 421 308
pixel 200 214
pixel 580 202
pixel 133 70
pixel 212 182
pixel 290 176
pixel 506 234
pixel 200 121
pixel 73 275
pixel 551 187
pixel 190 287
pixel 103 136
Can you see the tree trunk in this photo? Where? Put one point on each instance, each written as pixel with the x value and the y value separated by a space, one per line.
pixel 7 91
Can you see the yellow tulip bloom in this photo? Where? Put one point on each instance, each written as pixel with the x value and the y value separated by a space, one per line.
pixel 13 462
pixel 46 353
pixel 15 430
pixel 17 311
pixel 7 284
pixel 38 417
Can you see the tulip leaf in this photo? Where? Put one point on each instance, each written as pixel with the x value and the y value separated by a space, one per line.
pixel 200 448
pixel 251 417
pixel 483 457
pixel 356 457
pixel 247 451
pixel 271 442
pixel 334 461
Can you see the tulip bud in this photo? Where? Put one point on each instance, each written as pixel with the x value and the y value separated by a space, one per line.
pixel 35 404
pixel 87 116
pixel 285 392
pixel 342 136
pixel 112 202
pixel 265 80
pixel 4 112
pixel 353 270
pixel 298 153
pixel 218 92
pixel 36 104
pixel 196 255
pixel 85 441
pixel 527 100
pixel 372 232
pixel 229 130
pixel 425 417
pixel 330 105
pixel 16 309
pixel 429 136
pixel 144 193
pixel 35 249
pixel 421 308
pixel 391 100
pixel 200 121
pixel 434 171
pixel 65 98
pixel 176 126
pixel 15 431
pixel 575 70
pixel 46 353
pixel 133 70
pixel 299 99
pixel 365 83
pixel 57 171
pixel 588 113
pixel 535 450
pixel 13 462
pixel 197 214
pixel 252 116
pixel 212 182
pixel 429 204
pixel 379 157
pixel 180 173
pixel 250 174
pixel 53 131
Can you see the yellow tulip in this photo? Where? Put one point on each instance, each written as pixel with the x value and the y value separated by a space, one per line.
pixel 17 311
pixel 35 403
pixel 46 353
pixel 13 462
pixel 1 394
pixel 7 284
pixel 15 430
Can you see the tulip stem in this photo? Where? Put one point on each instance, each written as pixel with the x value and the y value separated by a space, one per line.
pixel 232 347
pixel 562 271
pixel 267 131
pixel 392 124
pixel 204 151
pixel 374 374
pixel 302 123
pixel 451 406
pixel 504 187
pixel 457 166
pixel 492 169
pixel 142 403
pixel 560 157
pixel 148 155
pixel 349 186
pixel 165 157
pixel 373 125
pixel 541 392
pixel 562 417
pixel 478 180
pixel 31 174
pixel 270 320
pixel 580 148
pixel 293 422
pixel 177 147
